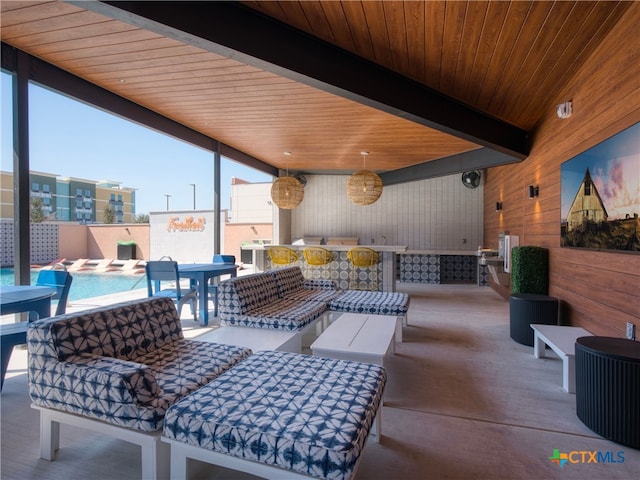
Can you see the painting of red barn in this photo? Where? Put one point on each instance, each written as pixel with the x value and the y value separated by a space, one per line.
pixel 600 195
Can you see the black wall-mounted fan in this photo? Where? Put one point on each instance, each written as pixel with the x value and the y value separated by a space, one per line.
pixel 471 179
pixel 301 178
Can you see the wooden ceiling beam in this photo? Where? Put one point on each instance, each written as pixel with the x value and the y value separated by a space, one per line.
pixel 237 32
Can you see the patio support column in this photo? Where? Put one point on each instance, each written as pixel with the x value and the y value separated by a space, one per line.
pixel 21 195
pixel 281 222
pixel 216 196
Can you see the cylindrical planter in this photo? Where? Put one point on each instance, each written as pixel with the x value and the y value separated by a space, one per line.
pixel 608 388
pixel 528 308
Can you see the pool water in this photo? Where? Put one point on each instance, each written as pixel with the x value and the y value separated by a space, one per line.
pixel 87 285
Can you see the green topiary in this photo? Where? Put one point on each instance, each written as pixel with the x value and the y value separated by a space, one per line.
pixel 530 270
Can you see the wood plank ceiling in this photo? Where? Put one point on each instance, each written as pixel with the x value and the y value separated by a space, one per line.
pixel 507 60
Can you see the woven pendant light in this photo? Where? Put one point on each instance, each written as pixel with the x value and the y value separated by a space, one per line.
pixel 287 192
pixel 364 187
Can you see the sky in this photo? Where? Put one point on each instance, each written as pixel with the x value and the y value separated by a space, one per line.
pixel 614 166
pixel 72 139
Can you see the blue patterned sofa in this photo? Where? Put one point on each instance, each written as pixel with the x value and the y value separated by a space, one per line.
pixel 280 415
pixel 117 369
pixel 377 303
pixel 257 301
pixel 293 286
pixel 284 299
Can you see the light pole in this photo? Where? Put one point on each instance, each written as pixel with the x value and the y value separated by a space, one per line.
pixel 194 194
pixel 167 197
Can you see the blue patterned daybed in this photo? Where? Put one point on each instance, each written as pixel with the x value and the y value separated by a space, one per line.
pixel 281 416
pixel 117 369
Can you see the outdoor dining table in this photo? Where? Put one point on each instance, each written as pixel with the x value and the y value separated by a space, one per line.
pixel 17 299
pixel 26 298
pixel 202 273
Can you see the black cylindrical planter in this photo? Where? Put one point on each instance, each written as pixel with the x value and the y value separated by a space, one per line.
pixel 608 388
pixel 528 308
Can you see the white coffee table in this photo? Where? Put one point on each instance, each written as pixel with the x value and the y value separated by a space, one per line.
pixel 257 339
pixel 358 337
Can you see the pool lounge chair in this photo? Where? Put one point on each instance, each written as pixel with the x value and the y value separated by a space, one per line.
pixel 102 266
pixel 130 266
pixel 57 261
pixel 78 265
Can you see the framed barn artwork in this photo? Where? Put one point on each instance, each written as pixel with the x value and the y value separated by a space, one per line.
pixel 600 195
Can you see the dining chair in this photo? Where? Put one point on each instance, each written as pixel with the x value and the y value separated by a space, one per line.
pixel 161 273
pixel 367 259
pixel 316 258
pixel 15 334
pixel 11 335
pixel 212 289
pixel 61 281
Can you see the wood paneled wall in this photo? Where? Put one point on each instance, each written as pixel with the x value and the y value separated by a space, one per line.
pixel 439 213
pixel 599 291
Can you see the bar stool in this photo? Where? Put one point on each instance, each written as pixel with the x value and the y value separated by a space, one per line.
pixel 282 255
pixel 317 257
pixel 367 259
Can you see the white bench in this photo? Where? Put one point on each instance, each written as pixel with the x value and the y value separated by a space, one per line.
pixel 561 340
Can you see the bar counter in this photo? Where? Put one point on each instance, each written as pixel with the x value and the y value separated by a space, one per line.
pixel 442 266
pixel 398 264
pixel 341 268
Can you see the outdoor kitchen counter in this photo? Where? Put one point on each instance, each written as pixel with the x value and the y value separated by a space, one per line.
pixel 438 266
pixel 341 268
pixel 439 252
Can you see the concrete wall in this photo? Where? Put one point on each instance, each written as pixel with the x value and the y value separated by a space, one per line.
pixel 236 234
pixel 101 241
pixel 55 240
pixel 73 242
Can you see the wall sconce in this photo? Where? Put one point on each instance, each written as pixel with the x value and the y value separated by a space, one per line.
pixel 533 191
pixel 498 206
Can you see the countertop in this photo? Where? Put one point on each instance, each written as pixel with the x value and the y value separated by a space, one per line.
pixel 334 248
pixel 441 252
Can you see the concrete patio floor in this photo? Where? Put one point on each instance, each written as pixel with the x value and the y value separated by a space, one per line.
pixel 463 401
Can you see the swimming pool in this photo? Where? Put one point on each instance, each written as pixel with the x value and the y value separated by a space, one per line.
pixel 87 285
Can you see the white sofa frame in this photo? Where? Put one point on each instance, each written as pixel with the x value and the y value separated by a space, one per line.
pixel 155 453
pixel 181 453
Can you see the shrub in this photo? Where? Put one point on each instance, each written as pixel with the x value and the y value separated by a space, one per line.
pixel 530 270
